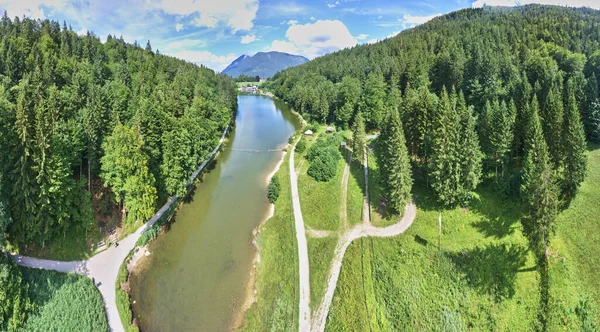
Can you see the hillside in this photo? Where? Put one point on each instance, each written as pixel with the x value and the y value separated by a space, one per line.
pixel 493 108
pixel 263 64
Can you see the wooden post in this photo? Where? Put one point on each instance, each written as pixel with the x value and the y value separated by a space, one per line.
pixel 440 231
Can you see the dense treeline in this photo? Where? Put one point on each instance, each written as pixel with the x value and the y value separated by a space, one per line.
pixel 511 92
pixel 80 118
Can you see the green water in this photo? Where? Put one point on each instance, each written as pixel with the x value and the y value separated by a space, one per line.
pixel 197 274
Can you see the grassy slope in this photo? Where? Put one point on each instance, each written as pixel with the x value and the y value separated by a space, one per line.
pixel 483 279
pixel 276 280
pixel 320 255
pixel 75 245
pixel 63 302
pixel 575 251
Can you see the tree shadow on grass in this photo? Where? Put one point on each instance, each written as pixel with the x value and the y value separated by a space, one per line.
pixel 491 269
pixel 500 216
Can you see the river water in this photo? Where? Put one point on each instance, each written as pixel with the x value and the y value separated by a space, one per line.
pixel 197 275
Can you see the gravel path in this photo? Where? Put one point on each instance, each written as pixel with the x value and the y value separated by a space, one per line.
pixel 304 301
pixel 104 267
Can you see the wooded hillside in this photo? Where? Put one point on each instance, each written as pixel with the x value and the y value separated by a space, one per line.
pixel 82 118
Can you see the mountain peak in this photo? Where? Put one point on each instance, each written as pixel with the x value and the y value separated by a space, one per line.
pixel 263 64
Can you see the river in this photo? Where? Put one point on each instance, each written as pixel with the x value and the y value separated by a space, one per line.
pixel 196 277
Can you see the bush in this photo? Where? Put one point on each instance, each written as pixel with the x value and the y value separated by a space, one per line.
pixel 274 189
pixel 323 167
pixel 292 139
pixel 13 293
pixel 301 145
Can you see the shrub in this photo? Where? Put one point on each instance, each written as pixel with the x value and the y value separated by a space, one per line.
pixel 323 167
pixel 13 293
pixel 301 145
pixel 291 139
pixel 273 189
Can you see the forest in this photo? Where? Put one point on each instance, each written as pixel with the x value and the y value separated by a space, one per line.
pixel 509 94
pixel 88 127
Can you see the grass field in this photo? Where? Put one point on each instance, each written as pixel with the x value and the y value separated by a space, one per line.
pixel 277 279
pixel 320 254
pixel 76 244
pixel 483 279
pixel 575 255
pixel 63 302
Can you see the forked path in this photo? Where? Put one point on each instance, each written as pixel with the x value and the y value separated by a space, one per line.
pixel 104 267
pixel 358 231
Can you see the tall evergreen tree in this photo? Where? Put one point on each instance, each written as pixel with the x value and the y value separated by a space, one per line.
pixel 358 138
pixel 538 187
pixel 469 150
pixel 574 146
pixel 552 123
pixel 445 165
pixel 591 109
pixel 502 133
pixel 397 164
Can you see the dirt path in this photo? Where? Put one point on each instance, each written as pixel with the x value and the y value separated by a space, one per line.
pixel 303 266
pixel 358 231
pixel 104 267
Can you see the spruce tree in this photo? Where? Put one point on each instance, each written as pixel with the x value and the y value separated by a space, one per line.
pixel 591 110
pixel 501 133
pixel 469 146
pixel 397 164
pixel 574 146
pixel 358 138
pixel 553 122
pixel 538 189
pixel 445 165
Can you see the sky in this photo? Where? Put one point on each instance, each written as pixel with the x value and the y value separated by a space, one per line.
pixel 216 32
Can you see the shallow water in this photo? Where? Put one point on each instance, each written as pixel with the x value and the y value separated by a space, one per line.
pixel 197 274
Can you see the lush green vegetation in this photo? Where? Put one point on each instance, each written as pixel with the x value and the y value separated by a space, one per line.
pixel 276 307
pixel 84 122
pixel 484 278
pixel 123 301
pixel 320 255
pixel 324 156
pixel 504 94
pixel 14 295
pixel 273 189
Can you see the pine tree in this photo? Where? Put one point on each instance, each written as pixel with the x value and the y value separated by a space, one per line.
pixel 538 189
pixel 469 146
pixel 501 133
pixel 358 138
pixel 574 146
pixel 591 110
pixel 445 165
pixel 397 164
pixel 553 122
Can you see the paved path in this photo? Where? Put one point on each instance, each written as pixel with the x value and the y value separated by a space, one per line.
pixel 104 267
pixel 304 302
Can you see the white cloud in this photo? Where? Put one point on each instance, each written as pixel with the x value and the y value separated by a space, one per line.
pixel 571 3
pixel 333 5
pixel 30 8
pixel 205 20
pixel 362 36
pixel 82 32
pixel 292 22
pixel 372 41
pixel 216 62
pixel 178 27
pixel 410 20
pixel 312 18
pixel 247 39
pixel 182 44
pixel 315 39
pixel 393 34
pixel 236 14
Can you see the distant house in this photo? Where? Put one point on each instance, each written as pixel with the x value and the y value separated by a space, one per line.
pixel 343 145
pixel 253 88
pixel 330 130
pixel 308 133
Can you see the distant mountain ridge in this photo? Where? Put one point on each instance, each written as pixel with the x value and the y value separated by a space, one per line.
pixel 263 64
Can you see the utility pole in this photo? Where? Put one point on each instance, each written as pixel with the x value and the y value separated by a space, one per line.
pixel 440 231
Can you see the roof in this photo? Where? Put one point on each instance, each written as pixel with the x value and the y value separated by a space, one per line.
pixel 308 132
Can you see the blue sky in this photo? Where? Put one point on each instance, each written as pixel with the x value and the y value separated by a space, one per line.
pixel 215 32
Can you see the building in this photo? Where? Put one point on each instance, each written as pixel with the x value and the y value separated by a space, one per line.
pixel 308 133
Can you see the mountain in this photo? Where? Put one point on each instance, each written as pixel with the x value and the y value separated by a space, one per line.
pixel 263 64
